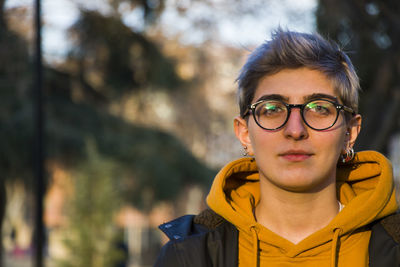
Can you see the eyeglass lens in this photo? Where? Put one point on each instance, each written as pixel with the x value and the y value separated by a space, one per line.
pixel 318 114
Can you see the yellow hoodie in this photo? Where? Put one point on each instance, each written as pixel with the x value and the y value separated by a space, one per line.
pixel 365 188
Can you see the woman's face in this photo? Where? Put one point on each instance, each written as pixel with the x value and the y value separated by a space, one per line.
pixel 296 157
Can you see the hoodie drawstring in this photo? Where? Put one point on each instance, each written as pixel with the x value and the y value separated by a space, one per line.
pixel 253 230
pixel 335 243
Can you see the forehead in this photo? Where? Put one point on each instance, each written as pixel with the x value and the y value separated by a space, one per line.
pixel 295 84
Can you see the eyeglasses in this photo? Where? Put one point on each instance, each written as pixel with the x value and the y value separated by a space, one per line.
pixel 318 114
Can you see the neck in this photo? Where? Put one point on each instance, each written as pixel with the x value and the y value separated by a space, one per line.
pixel 296 215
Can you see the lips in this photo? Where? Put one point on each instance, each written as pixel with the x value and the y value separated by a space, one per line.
pixel 296 155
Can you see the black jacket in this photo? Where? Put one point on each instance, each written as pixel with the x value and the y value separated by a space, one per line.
pixel 209 240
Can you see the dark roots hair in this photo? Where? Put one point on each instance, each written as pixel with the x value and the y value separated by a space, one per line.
pixel 291 50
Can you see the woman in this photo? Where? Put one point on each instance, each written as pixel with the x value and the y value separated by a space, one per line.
pixel 303 197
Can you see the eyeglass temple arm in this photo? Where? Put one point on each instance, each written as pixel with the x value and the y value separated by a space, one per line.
pixel 246 113
pixel 350 110
pixel 250 107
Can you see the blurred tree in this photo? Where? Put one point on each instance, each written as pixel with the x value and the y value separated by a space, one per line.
pixel 152 161
pixel 108 61
pixel 15 109
pixel 152 9
pixel 370 30
pixel 111 59
pixel 90 233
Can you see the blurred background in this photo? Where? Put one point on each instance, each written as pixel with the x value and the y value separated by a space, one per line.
pixel 139 97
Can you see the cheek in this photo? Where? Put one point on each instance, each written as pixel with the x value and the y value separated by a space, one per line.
pixel 331 142
pixel 262 141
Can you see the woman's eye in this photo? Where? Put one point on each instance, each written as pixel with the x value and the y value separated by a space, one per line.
pixel 269 109
pixel 319 108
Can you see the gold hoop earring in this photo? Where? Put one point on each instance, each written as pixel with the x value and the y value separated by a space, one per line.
pixel 348 156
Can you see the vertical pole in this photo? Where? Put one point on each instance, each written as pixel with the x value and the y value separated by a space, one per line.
pixel 38 155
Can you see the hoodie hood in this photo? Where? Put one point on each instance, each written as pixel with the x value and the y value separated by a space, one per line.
pixel 364 186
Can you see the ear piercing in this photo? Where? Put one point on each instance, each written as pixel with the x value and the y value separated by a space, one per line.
pixel 245 153
pixel 348 156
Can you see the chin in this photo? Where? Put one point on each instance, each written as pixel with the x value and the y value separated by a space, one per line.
pixel 301 188
pixel 300 184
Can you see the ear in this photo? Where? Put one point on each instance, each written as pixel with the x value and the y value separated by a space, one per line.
pixel 242 133
pixel 353 129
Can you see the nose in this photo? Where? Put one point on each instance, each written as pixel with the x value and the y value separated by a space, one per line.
pixel 295 127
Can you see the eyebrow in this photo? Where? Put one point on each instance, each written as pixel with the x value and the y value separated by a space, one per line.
pixel 273 97
pixel 306 98
pixel 319 96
